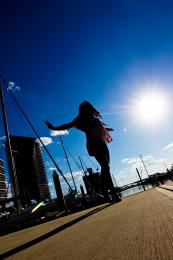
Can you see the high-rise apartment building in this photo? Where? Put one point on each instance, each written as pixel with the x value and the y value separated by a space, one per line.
pixel 3 188
pixel 30 170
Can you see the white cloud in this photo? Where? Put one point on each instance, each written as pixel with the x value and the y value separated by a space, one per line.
pixel 76 175
pixel 46 141
pixel 136 160
pixel 125 160
pixel 3 138
pixel 52 168
pixel 129 174
pixel 168 147
pixel 147 158
pixel 131 160
pixel 154 168
pixel 10 194
pixel 56 133
pixel 123 171
pixel 12 86
pixel 47 163
pixel 154 161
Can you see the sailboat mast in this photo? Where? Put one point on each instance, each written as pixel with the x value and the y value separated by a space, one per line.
pixel 9 151
pixel 68 162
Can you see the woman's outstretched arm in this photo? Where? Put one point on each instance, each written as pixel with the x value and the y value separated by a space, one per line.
pixel 61 127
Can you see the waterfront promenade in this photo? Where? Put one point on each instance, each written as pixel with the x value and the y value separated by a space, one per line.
pixel 140 227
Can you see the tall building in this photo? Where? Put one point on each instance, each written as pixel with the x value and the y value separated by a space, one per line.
pixel 3 188
pixel 30 169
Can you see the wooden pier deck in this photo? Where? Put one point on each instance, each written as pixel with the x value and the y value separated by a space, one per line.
pixel 138 228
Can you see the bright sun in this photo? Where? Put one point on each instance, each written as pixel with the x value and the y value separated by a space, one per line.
pixel 150 107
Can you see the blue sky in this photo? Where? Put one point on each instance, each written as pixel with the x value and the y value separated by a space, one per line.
pixel 110 53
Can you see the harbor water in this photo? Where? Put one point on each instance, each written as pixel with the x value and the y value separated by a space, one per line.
pixel 135 190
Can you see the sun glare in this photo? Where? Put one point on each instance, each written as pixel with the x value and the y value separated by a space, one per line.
pixel 150 107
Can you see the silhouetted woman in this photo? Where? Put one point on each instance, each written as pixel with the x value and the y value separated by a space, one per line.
pixel 97 135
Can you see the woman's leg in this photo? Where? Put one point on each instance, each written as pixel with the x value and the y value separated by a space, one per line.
pixel 102 156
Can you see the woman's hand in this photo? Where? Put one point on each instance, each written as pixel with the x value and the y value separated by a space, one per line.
pixel 49 125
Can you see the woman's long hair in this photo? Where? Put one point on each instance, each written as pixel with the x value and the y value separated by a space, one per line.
pixel 87 110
